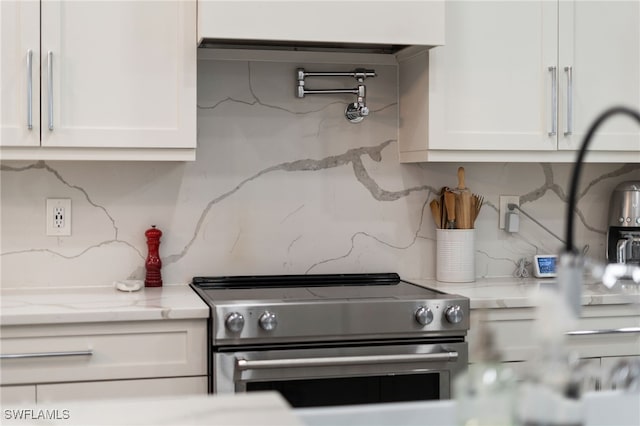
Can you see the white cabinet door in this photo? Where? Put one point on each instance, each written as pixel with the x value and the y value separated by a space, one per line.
pixel 17 395
pixel 112 389
pixel 490 84
pixel 123 74
pixel 492 94
pixel 589 366
pixel 19 79
pixel 600 41
pixel 613 371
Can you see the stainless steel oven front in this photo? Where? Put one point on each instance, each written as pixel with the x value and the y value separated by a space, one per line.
pixel 325 340
pixel 370 372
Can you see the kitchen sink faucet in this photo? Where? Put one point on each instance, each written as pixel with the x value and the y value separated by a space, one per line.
pixel 571 262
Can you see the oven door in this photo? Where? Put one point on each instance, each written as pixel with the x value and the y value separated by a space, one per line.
pixel 343 375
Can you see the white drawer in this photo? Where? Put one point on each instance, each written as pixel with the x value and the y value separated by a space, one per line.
pixel 610 342
pixel 514 331
pixel 99 351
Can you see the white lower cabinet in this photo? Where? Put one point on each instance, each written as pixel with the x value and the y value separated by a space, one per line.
pixel 52 362
pixel 611 363
pixel 114 389
pixel 522 369
pixel 515 336
pixel 22 395
pixel 109 389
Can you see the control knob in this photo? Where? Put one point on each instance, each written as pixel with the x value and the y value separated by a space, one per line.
pixel 234 322
pixel 424 315
pixel 454 314
pixel 268 321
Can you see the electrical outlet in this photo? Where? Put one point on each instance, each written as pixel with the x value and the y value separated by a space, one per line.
pixel 502 212
pixel 58 217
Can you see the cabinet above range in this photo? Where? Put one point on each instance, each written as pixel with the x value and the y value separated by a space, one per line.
pixel 98 80
pixel 349 25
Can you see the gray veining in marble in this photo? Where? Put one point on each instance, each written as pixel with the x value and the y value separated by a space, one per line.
pixel 280 185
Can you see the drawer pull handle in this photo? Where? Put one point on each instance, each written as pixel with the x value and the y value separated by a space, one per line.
pixel 604 331
pixel 47 354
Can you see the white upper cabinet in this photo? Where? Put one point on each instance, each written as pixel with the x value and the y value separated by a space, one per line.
pixel 110 80
pixel 490 86
pixel 318 21
pixel 499 91
pixel 20 73
pixel 600 41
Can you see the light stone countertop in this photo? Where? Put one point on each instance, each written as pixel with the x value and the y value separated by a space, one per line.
pixel 98 304
pixel 605 408
pixel 258 408
pixel 520 292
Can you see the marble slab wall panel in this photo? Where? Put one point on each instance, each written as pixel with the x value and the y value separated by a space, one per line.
pixel 281 185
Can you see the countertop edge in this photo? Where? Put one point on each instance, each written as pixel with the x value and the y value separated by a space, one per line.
pixel 64 305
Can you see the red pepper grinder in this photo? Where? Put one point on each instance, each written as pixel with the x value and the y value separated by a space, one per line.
pixel 153 263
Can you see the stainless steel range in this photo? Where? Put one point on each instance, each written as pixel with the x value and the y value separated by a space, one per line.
pixel 334 339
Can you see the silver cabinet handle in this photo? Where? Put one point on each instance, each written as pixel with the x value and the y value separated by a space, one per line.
pixel 554 101
pixel 624 330
pixel 50 87
pixel 244 364
pixel 569 71
pixel 46 354
pixel 29 89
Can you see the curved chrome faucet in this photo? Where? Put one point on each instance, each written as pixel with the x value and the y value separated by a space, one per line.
pixel 571 263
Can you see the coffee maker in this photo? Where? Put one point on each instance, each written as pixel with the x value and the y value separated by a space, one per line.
pixel 623 233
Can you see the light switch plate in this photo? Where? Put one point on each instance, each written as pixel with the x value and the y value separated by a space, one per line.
pixel 58 217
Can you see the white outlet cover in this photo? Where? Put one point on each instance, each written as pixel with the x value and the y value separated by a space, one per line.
pixel 58 226
pixel 502 212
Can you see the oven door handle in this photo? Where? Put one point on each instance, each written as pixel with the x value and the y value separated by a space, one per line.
pixel 245 364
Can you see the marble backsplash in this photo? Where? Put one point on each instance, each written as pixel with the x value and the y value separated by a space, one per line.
pixel 281 185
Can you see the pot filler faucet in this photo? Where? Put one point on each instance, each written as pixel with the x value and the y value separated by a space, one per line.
pixel 355 111
pixel 571 262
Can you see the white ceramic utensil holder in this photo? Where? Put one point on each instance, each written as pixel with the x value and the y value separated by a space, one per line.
pixel 455 255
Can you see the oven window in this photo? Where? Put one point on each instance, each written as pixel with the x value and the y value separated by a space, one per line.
pixel 354 390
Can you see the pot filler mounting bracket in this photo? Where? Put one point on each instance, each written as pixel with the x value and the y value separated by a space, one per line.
pixel 355 111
